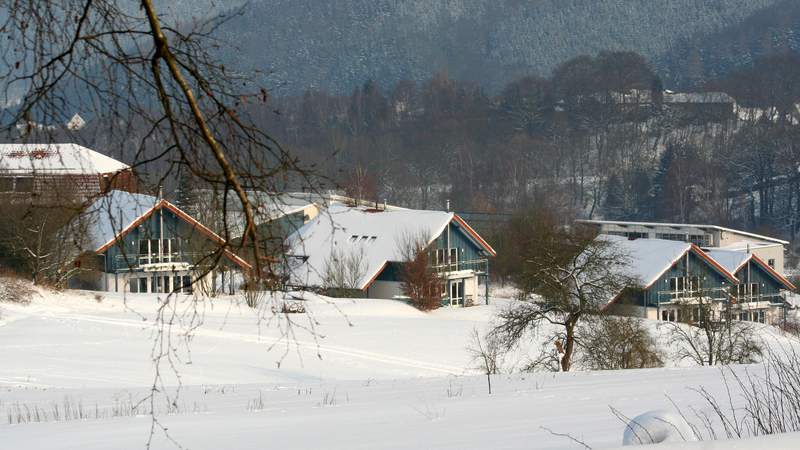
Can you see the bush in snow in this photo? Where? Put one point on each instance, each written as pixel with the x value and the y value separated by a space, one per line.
pixel 655 427
pixel 420 282
pixel 610 343
pixel 343 272
pixel 708 337
pixel 15 290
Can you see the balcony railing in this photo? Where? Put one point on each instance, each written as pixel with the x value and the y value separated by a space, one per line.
pixel 138 261
pixel 478 265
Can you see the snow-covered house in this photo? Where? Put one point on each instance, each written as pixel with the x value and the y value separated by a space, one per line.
pixel 374 240
pixel 759 295
pixel 45 171
pixel 708 237
pixel 140 243
pixel 672 275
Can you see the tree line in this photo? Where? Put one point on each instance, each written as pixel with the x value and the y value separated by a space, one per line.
pixel 599 135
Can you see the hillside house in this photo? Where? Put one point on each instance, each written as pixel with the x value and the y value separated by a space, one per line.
pixel 759 296
pixel 43 172
pixel 768 249
pixel 376 237
pixel 674 277
pixel 139 243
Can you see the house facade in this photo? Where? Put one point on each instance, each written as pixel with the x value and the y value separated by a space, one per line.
pixel 48 172
pixel 141 244
pixel 674 278
pixel 708 237
pixel 373 240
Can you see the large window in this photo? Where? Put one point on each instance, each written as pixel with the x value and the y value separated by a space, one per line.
pixel 149 250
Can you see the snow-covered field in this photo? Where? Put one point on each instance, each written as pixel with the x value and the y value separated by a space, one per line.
pixel 379 374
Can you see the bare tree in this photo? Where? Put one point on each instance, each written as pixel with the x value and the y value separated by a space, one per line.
pixel 567 275
pixel 155 91
pixel 612 343
pixel 420 281
pixel 343 271
pixel 486 352
pixel 707 334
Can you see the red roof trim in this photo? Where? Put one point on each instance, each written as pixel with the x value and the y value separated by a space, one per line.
pixel 475 235
pixel 714 264
pixel 186 218
pixel 773 272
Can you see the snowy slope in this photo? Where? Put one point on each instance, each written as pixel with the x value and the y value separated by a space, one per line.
pixel 389 377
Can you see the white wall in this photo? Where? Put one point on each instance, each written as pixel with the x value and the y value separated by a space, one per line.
pixel 385 289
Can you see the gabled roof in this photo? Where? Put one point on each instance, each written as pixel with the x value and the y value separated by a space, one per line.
pixel 67 159
pixel 649 259
pixel 734 261
pixel 113 216
pixel 685 225
pixel 379 234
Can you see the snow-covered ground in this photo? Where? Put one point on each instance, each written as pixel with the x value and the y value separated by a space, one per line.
pixel 378 374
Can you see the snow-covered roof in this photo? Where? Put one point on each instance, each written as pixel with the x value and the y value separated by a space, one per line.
pixel 703 227
pixel 109 215
pixel 112 216
pixel 744 246
pixel 69 159
pixel 731 260
pixel 698 97
pixel 648 259
pixel 351 230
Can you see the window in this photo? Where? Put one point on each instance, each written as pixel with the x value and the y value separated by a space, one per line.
pixel 754 290
pixel 440 256
pixel 133 284
pixel 6 184
pixel 142 284
pixel 187 284
pixel 353 238
pixel 700 240
pixel 23 184
pixel 771 263
pixel 671 237
pixel 454 256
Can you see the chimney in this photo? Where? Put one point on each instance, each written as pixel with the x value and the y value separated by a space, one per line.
pixel 447 205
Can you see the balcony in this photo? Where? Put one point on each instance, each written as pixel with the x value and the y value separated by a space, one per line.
pixel 158 263
pixel 476 265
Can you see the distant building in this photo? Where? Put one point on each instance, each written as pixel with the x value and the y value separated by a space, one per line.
pixel 457 253
pixel 138 243
pixel 769 249
pixel 673 278
pixel 701 106
pixel 43 171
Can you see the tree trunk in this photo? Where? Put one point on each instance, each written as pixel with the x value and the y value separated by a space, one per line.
pixel 569 345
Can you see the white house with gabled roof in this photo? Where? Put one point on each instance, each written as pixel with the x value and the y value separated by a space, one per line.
pixel 458 254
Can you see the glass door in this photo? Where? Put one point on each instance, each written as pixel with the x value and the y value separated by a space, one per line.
pixel 457 293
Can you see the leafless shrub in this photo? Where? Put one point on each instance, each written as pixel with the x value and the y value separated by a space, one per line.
pixel 253 292
pixel 15 290
pixel 256 404
pixel 709 339
pixel 486 353
pixel 757 401
pixel 611 343
pixel 343 272
pixel 420 281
